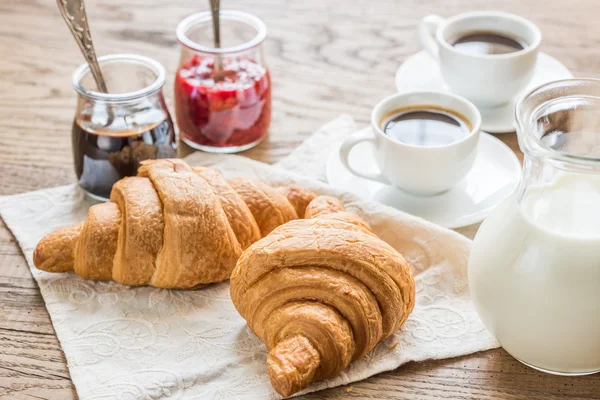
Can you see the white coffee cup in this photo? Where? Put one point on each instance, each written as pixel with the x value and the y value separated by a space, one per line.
pixel 418 169
pixel 486 80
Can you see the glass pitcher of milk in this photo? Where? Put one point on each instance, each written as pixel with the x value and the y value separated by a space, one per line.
pixel 534 269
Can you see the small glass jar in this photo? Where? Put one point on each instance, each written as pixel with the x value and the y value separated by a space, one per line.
pixel 113 132
pixel 222 95
pixel 534 268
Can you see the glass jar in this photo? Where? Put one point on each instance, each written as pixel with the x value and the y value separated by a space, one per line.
pixel 222 95
pixel 534 269
pixel 113 132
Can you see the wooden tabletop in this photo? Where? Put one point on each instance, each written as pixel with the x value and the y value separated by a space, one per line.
pixel 327 57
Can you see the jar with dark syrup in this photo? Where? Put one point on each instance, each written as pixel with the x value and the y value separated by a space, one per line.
pixel 114 132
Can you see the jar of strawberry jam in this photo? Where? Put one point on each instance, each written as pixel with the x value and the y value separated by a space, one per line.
pixel 222 94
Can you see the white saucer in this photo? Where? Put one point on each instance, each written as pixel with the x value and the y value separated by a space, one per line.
pixel 421 72
pixel 494 176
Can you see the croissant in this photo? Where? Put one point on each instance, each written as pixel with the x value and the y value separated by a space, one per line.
pixel 320 292
pixel 172 226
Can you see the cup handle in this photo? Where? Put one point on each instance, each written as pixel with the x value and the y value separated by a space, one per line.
pixel 348 144
pixel 427 30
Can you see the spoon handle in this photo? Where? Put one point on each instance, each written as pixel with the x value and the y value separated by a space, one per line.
pixel 73 12
pixel 215 8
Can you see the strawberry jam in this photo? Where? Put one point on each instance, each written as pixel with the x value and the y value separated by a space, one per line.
pixel 222 110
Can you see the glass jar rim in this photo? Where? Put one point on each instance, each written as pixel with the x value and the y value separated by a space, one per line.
pixel 529 141
pixel 231 15
pixel 153 65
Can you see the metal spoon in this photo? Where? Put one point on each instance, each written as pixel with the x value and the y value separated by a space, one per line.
pixel 73 12
pixel 215 6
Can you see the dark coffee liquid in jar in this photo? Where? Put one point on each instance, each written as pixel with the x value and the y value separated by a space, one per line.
pixel 114 132
pixel 103 157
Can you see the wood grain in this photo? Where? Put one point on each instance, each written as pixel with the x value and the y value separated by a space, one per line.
pixel 326 58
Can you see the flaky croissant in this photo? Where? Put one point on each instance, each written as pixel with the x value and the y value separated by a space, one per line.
pixel 320 292
pixel 172 226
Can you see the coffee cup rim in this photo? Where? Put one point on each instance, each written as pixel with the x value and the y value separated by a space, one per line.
pixel 475 125
pixel 531 47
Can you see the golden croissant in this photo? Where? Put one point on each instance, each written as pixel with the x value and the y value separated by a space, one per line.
pixel 320 292
pixel 172 226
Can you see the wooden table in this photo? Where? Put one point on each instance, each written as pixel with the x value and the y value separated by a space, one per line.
pixel 327 57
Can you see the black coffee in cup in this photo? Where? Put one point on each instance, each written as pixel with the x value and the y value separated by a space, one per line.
pixel 426 126
pixel 487 42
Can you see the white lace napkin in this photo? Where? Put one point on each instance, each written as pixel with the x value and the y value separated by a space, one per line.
pixel 134 343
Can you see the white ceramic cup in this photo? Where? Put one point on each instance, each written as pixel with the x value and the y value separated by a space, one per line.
pixel 486 80
pixel 418 169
